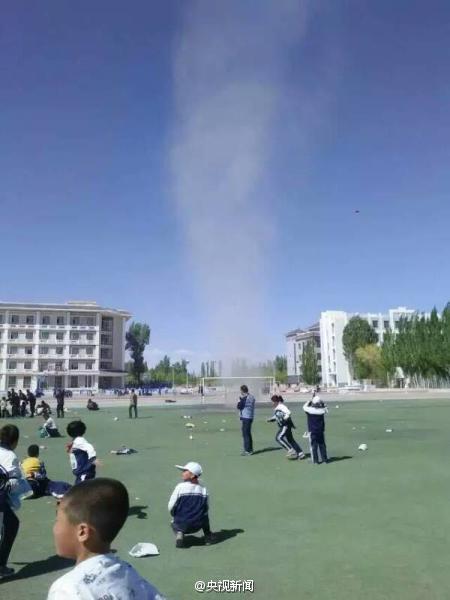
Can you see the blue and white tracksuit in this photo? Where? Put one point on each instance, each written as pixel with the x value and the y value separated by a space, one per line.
pixel 188 506
pixel 82 460
pixel 284 437
pixel 316 411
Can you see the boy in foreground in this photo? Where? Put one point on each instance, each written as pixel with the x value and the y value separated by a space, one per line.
pixel 188 505
pixel 89 517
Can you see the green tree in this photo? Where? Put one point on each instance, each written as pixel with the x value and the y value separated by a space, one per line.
pixel 368 363
pixel 357 334
pixel 279 369
pixel 310 365
pixel 137 338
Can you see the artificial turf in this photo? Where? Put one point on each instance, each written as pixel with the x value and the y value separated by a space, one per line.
pixel 369 525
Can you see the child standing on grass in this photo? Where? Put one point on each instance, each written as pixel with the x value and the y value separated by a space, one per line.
pixel 188 505
pixel 284 437
pixel 11 478
pixel 89 517
pixel 83 459
pixel 316 410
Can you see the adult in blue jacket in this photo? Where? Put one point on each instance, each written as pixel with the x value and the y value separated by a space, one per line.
pixel 246 408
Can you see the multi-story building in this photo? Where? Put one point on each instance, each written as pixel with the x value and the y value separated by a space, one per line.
pixel 335 367
pixel 296 341
pixel 77 345
pixel 327 336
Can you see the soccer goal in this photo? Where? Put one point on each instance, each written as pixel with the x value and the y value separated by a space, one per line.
pixel 226 390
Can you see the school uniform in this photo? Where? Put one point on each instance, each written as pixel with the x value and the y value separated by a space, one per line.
pixel 11 475
pixel 284 436
pixel 316 411
pixel 36 474
pixel 82 460
pixel 188 506
pixel 50 428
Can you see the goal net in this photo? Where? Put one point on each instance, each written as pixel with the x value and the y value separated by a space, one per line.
pixel 226 390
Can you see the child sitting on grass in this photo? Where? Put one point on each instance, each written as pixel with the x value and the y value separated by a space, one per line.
pixel 89 517
pixel 36 476
pixel 83 459
pixel 188 505
pixel 49 428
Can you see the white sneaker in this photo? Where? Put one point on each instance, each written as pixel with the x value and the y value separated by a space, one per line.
pixel 301 456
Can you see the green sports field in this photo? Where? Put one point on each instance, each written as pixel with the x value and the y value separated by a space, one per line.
pixel 370 525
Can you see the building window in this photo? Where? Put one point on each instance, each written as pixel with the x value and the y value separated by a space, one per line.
pixel 30 320
pixel 74 381
pixel 44 335
pixel 28 351
pixel 90 337
pixel 45 320
pixel 375 324
pixel 74 320
pixel 386 324
pixel 60 336
pixel 107 323
pixel 60 320
pixel 105 353
pixel 12 365
pixel 107 366
pixel 13 335
pixel 29 335
pixel 89 366
pixel 43 350
pixel 73 366
pixel 74 351
pixel 27 365
pixel 2 319
pixel 106 340
pixel 12 350
pixel 27 382
pixel 15 319
pixel 90 351
pixel 74 335
pixel 90 321
pixel 12 381
pixel 59 350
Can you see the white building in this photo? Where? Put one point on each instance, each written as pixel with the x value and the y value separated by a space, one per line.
pixel 335 367
pixel 77 345
pixel 296 341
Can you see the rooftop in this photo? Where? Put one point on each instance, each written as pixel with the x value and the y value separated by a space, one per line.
pixel 78 305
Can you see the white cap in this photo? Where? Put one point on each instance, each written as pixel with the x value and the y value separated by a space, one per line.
pixel 193 467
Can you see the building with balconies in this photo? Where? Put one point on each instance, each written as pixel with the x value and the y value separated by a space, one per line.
pixel 77 346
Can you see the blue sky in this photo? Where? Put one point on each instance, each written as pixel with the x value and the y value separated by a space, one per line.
pixel 88 114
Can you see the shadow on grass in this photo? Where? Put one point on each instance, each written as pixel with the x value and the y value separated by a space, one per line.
pixel 219 536
pixel 137 511
pixel 338 458
pixel 41 567
pixel 269 449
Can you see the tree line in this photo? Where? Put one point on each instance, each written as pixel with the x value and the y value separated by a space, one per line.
pixel 418 350
pixel 167 372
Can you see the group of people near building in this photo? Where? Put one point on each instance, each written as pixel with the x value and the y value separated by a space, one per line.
pixel 18 404
pixel 315 410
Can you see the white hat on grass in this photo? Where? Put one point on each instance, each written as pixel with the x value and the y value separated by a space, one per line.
pixel 192 467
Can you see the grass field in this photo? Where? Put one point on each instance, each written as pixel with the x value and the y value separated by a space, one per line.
pixel 372 525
